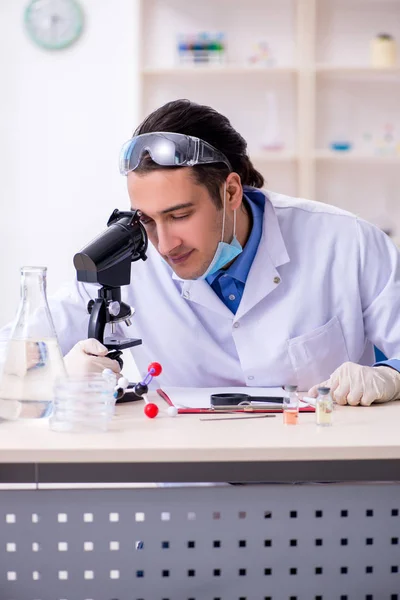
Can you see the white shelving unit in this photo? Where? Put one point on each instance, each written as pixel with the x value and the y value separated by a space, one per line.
pixel 322 80
pixel 353 157
pixel 349 70
pixel 217 70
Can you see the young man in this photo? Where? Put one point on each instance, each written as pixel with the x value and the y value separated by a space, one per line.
pixel 242 286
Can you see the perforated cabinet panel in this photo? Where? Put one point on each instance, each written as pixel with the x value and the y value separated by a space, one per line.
pixel 261 542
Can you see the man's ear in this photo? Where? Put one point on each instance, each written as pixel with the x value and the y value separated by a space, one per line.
pixel 234 191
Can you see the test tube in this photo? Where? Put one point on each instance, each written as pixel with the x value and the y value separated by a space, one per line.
pixel 324 407
pixel 290 405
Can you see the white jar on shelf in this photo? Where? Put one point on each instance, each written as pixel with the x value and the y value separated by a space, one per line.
pixel 383 51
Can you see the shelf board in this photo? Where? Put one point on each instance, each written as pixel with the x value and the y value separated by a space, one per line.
pixel 272 156
pixel 350 156
pixel 326 69
pixel 217 70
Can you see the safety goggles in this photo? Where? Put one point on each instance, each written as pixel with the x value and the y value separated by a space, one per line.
pixel 169 150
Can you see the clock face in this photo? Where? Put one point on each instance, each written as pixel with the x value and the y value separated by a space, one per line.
pixel 54 24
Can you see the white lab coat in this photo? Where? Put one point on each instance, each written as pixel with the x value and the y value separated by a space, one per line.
pixel 323 288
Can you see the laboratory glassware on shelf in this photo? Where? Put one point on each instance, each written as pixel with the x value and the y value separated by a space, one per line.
pixel 272 137
pixel 201 48
pixel 383 51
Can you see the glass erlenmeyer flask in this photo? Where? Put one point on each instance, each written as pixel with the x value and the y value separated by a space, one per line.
pixel 33 359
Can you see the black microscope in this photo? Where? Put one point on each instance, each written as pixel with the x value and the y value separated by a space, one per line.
pixel 106 260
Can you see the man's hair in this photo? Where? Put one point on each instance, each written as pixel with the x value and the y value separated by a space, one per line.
pixel 189 118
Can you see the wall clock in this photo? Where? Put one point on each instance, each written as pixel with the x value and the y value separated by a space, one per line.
pixel 54 24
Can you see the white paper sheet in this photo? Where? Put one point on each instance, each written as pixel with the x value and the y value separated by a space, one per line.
pixel 182 397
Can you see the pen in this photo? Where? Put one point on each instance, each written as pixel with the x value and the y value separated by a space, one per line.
pixel 236 418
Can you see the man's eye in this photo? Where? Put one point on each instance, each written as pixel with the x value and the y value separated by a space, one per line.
pixel 146 221
pixel 177 218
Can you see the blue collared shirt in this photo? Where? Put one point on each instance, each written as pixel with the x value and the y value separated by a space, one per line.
pixel 394 363
pixel 229 283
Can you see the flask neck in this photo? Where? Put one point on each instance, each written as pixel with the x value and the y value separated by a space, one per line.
pixel 33 320
pixel 33 287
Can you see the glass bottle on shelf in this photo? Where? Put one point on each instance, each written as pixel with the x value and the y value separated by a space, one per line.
pixel 290 405
pixel 33 359
pixel 341 128
pixel 272 139
pixel 324 407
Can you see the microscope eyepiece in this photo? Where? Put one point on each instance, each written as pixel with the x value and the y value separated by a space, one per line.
pixel 107 259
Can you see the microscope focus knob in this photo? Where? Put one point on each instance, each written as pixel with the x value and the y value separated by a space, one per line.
pixel 90 306
pixel 114 308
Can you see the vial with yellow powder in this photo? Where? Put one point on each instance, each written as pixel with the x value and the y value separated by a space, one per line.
pixel 324 407
pixel 290 405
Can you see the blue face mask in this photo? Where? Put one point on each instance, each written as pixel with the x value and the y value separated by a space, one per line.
pixel 225 252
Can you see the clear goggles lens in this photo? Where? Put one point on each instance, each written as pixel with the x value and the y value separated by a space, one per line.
pixel 168 150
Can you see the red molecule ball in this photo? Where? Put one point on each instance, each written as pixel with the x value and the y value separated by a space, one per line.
pixel 151 410
pixel 156 367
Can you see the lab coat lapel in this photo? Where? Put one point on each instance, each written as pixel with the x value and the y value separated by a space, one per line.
pixel 201 292
pixel 264 277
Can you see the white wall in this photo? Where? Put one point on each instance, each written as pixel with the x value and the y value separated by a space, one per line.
pixel 63 117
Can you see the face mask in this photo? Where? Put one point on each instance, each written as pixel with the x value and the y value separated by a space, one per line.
pixel 225 252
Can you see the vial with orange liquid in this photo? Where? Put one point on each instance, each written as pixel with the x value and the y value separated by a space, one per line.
pixel 290 405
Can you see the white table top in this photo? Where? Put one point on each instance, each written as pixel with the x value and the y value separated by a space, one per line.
pixel 357 433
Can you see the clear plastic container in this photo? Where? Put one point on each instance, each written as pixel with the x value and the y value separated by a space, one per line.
pixel 83 404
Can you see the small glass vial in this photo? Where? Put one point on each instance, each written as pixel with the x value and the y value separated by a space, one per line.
pixel 324 407
pixel 290 405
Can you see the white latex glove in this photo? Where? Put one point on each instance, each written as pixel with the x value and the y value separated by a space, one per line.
pixel 89 356
pixel 354 384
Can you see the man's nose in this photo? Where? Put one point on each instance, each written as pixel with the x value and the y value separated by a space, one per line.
pixel 166 241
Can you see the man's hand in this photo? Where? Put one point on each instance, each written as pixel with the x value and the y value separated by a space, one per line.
pixel 89 356
pixel 354 384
